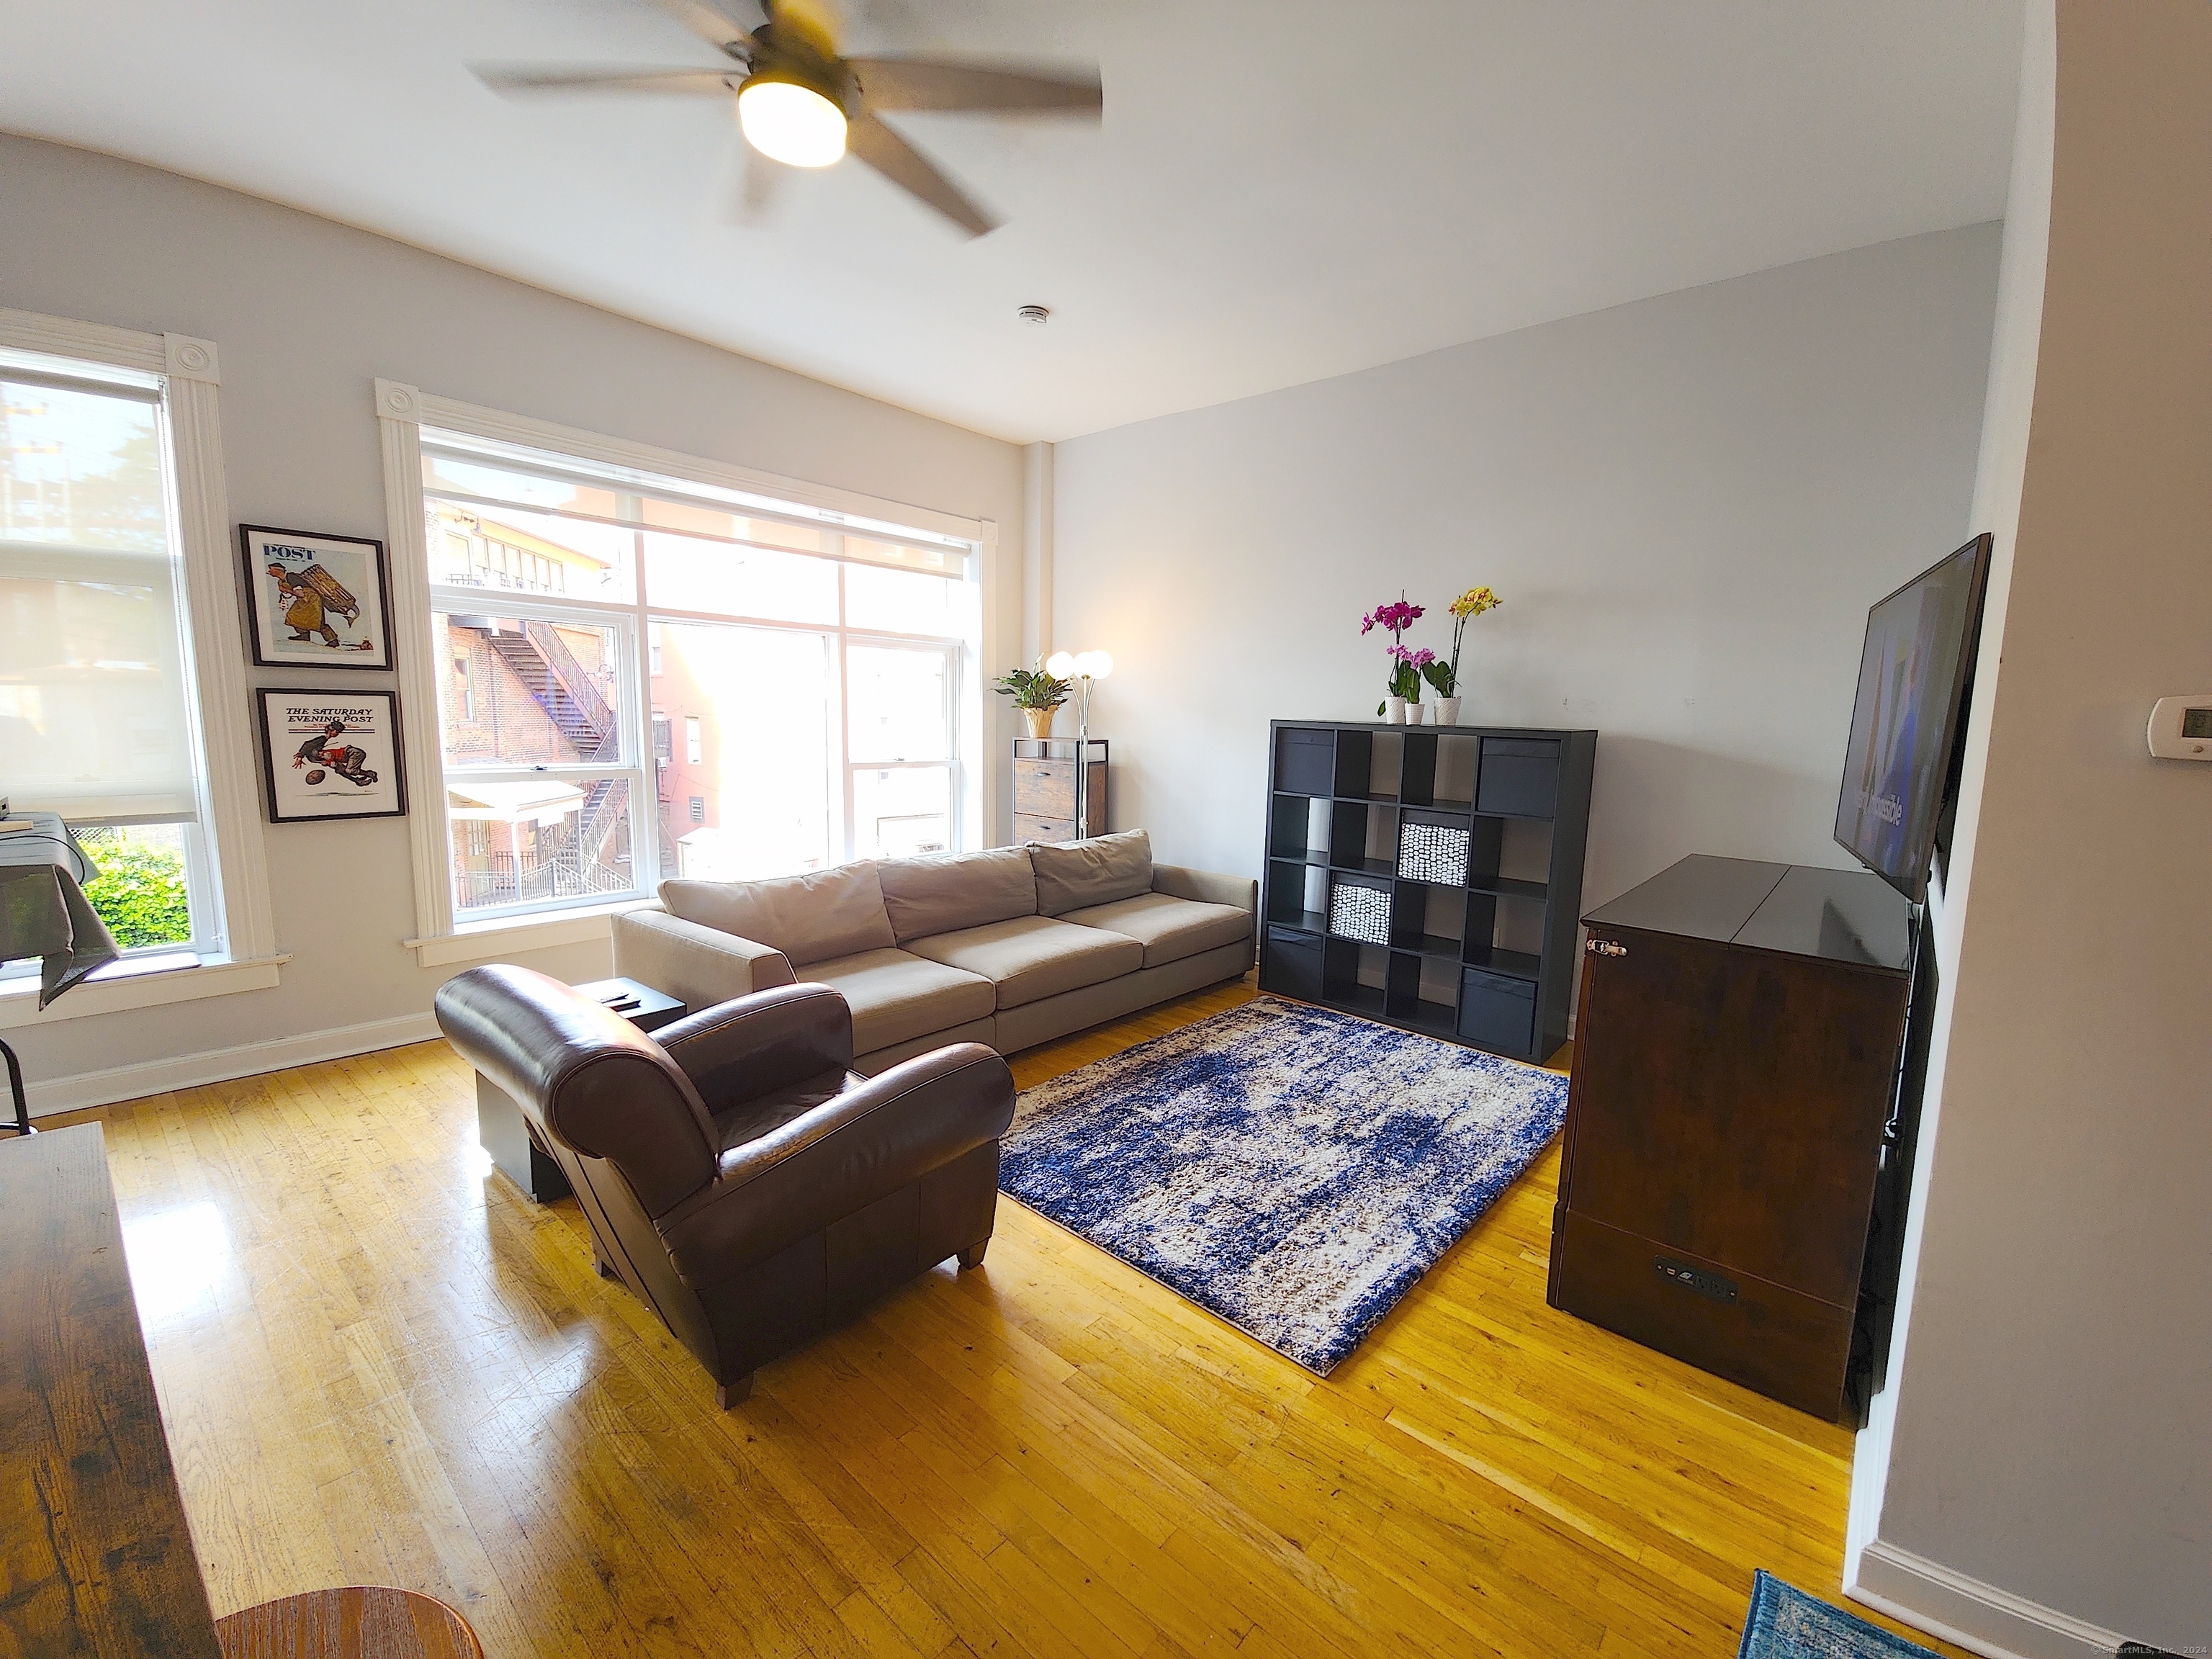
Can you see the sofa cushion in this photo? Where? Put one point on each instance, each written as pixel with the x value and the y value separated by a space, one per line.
pixel 948 891
pixel 810 917
pixel 1169 928
pixel 1095 872
pixel 895 997
pixel 1033 957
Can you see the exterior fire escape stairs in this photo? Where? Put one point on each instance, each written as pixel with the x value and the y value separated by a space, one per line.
pixel 562 687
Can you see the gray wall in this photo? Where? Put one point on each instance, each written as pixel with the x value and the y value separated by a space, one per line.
pixel 1688 505
pixel 2045 1434
pixel 306 313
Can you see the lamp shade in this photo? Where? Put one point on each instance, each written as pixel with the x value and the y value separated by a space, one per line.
pixel 791 124
pixel 1061 665
pixel 1097 664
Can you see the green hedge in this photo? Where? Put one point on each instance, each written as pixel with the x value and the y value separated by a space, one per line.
pixel 139 894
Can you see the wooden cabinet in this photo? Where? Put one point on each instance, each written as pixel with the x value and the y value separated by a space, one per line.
pixel 1429 877
pixel 1047 798
pixel 1737 1058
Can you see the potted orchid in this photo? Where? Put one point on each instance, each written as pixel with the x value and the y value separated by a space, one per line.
pixel 1406 666
pixel 1444 676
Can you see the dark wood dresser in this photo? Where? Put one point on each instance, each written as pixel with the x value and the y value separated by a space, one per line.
pixel 1046 805
pixel 102 1561
pixel 1737 1058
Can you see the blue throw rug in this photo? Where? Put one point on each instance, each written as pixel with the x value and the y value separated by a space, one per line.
pixel 1785 1623
pixel 1288 1167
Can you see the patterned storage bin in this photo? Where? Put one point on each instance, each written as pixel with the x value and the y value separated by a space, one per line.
pixel 1432 851
pixel 1359 912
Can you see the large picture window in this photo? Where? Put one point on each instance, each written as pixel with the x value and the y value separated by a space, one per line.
pixel 643 675
pixel 96 697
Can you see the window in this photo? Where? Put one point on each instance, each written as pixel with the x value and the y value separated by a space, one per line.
pixel 834 669
pixel 97 698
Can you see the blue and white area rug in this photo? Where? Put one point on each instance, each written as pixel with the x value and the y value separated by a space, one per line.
pixel 1785 1623
pixel 1288 1167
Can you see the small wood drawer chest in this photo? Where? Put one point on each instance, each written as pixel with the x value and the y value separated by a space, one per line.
pixel 1046 796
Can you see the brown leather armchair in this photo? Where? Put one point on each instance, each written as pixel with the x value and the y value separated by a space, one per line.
pixel 737 1174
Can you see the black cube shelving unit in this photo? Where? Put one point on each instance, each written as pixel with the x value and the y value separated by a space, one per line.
pixel 1370 906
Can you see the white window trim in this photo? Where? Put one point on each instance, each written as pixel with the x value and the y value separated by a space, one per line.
pixel 402 412
pixel 191 374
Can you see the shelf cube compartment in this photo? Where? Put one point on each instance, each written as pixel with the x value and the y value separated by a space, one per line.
pixel 1429 849
pixel 1363 835
pixel 1291 964
pixel 1496 1012
pixel 1520 777
pixel 1417 770
pixel 1306 761
pixel 1359 909
pixel 1453 781
pixel 1292 827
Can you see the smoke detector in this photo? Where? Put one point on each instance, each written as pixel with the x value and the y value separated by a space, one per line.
pixel 1034 316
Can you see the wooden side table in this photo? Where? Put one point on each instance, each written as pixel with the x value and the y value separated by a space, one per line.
pixel 505 1129
pixel 359 1621
pixel 1051 802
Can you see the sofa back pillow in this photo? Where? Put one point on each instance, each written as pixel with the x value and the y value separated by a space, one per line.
pixel 947 891
pixel 810 918
pixel 1099 871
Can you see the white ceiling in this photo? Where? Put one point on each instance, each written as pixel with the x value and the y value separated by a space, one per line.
pixel 1280 190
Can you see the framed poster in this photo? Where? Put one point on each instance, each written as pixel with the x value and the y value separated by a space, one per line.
pixel 316 601
pixel 331 754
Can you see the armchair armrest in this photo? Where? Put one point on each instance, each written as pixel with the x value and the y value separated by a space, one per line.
pixel 703 966
pixel 866 1144
pixel 757 1045
pixel 1205 887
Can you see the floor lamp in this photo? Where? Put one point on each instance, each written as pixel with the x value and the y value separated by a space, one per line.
pixel 1086 667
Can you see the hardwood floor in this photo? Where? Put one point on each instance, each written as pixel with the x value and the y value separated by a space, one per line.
pixel 380 1365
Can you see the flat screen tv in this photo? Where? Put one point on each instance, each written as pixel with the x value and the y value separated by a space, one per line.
pixel 1901 767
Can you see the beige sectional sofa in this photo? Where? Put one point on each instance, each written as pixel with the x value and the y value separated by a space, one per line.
pixel 1010 947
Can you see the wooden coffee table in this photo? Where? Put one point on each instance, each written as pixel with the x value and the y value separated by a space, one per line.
pixel 505 1129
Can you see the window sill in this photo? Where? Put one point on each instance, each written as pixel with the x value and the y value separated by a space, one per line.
pixel 19 1000
pixel 483 941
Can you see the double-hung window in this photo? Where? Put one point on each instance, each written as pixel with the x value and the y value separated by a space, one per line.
pixel 97 698
pixel 641 675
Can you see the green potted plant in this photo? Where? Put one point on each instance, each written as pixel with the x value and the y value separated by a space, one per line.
pixel 1036 693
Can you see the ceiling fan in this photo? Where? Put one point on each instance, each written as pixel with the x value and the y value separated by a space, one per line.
pixel 800 102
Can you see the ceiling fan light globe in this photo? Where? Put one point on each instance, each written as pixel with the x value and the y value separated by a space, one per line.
pixel 791 124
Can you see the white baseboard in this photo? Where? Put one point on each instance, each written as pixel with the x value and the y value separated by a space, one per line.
pixel 155 1077
pixel 1977 1616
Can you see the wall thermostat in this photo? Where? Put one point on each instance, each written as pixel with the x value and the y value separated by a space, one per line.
pixel 2181 727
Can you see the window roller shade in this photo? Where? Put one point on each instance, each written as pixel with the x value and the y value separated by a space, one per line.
pixel 94 721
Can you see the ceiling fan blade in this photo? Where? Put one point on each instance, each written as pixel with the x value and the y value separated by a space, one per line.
pixel 926 84
pixel 719 25
pixel 565 78
pixel 808 21
pixel 763 179
pixel 899 161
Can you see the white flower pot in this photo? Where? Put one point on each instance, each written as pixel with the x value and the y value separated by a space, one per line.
pixel 1447 711
pixel 1393 711
pixel 1417 713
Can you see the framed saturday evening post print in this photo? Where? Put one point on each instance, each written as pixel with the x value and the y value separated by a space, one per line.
pixel 331 754
pixel 316 601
